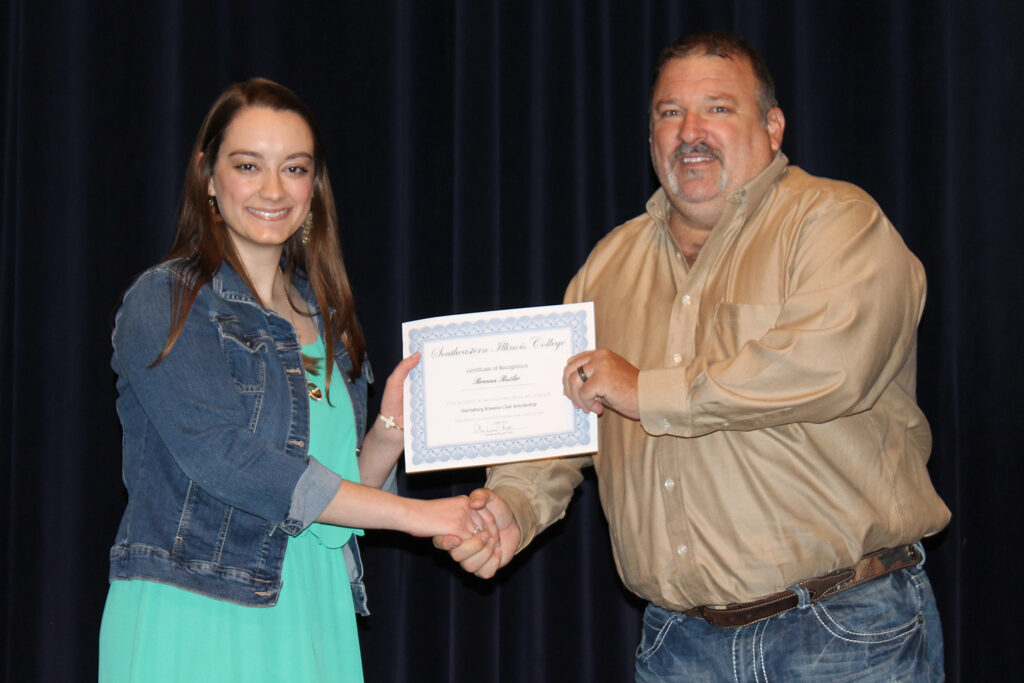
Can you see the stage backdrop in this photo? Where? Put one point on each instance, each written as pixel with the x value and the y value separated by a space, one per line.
pixel 478 149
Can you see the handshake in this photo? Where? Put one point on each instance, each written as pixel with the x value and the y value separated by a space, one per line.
pixel 494 542
pixel 593 381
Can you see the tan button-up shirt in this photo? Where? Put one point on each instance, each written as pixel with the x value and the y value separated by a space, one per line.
pixel 779 437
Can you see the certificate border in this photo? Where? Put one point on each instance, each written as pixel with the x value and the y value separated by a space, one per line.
pixel 423 456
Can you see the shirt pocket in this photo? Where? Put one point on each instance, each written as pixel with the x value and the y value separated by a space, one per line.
pixel 244 352
pixel 737 324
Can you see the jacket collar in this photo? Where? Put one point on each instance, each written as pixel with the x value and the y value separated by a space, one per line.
pixel 228 284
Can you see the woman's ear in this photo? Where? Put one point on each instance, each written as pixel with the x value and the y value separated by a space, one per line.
pixel 198 165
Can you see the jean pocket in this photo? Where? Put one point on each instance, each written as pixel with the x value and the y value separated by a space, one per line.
pixel 881 611
pixel 656 625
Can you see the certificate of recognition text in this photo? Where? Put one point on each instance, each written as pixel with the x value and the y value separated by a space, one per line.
pixel 488 387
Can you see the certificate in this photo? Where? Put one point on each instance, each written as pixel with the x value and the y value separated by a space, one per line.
pixel 488 387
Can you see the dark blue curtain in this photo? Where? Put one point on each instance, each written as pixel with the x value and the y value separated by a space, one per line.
pixel 478 149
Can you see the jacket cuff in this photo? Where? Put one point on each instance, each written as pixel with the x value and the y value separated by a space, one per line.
pixel 315 489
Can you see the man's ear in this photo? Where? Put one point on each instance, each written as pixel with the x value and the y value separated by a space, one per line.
pixel 775 125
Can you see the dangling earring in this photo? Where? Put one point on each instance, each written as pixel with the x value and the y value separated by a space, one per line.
pixel 213 206
pixel 307 227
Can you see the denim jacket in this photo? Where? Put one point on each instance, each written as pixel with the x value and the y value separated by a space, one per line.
pixel 215 440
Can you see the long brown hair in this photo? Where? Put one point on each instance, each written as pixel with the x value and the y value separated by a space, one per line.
pixel 202 242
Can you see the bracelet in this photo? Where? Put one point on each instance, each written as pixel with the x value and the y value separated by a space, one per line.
pixel 389 422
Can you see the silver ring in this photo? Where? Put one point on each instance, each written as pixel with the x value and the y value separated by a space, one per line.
pixel 476 529
pixel 582 374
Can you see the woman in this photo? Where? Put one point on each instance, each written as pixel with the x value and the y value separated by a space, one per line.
pixel 242 395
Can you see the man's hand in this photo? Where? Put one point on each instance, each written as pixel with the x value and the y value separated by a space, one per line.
pixel 595 380
pixel 480 556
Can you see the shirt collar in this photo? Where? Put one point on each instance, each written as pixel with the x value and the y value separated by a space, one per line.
pixel 753 192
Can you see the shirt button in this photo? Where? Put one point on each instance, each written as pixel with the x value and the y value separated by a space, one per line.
pixel 686 299
pixel 682 549
pixel 670 484
pixel 666 425
pixel 676 358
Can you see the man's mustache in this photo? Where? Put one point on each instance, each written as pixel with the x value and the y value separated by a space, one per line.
pixel 701 148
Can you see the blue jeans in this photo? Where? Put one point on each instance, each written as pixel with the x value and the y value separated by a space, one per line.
pixel 884 630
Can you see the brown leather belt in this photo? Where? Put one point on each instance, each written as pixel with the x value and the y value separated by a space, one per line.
pixel 878 563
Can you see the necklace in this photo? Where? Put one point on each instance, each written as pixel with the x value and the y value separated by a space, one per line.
pixel 311 388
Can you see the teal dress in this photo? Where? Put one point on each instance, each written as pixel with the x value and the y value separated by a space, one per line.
pixel 156 632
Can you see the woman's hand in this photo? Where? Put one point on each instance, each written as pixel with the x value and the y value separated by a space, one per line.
pixel 356 505
pixel 391 403
pixel 450 517
pixel 384 443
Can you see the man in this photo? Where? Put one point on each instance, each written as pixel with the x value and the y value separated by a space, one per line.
pixel 762 456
